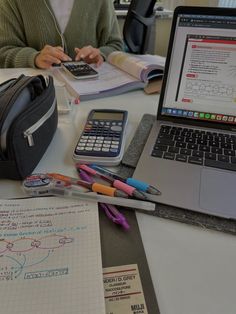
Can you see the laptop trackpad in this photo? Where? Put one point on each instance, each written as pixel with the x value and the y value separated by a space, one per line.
pixel 218 193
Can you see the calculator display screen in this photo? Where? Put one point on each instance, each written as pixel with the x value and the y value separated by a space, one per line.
pixel 107 116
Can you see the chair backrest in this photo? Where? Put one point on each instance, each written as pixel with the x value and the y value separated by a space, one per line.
pixel 137 27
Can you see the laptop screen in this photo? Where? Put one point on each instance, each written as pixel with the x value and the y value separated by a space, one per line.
pixel 201 81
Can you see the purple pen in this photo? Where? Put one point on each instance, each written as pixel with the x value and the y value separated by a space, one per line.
pixel 84 176
pixel 112 213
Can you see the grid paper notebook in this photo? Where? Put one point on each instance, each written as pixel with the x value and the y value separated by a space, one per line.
pixel 50 257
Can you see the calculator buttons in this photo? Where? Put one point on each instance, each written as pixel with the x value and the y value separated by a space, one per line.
pixel 100 136
pixel 116 128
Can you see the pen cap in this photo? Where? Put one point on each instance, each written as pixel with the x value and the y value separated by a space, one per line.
pixel 125 225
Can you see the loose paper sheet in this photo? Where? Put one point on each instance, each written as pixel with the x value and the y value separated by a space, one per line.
pixel 50 257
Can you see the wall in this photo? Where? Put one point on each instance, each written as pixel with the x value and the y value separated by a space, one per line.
pixel 163 24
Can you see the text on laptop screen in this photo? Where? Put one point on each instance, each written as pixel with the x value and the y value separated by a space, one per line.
pixel 201 82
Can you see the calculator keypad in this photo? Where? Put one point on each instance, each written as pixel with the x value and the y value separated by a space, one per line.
pixel 100 136
pixel 79 68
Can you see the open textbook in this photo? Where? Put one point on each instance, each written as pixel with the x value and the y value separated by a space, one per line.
pixel 50 259
pixel 121 73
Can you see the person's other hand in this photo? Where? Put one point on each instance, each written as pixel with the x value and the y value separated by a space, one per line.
pixel 89 54
pixel 50 55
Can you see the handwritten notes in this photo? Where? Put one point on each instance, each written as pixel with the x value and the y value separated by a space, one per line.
pixel 50 257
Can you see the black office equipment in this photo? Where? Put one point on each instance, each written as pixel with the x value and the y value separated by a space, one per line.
pixel 137 27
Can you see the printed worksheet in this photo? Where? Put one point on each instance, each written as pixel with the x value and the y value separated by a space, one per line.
pixel 50 257
pixel 209 71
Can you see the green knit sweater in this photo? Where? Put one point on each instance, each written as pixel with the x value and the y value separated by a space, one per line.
pixel 26 26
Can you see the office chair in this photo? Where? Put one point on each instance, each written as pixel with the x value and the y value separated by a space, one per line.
pixel 137 27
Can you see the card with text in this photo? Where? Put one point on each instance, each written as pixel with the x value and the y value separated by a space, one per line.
pixel 123 290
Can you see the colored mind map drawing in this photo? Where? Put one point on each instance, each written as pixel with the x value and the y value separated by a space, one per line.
pixel 21 253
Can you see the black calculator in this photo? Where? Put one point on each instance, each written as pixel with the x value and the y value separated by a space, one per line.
pixel 103 138
pixel 79 70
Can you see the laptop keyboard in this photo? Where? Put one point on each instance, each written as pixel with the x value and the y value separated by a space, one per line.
pixel 195 146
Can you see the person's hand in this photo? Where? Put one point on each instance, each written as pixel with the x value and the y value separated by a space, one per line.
pixel 89 54
pixel 50 55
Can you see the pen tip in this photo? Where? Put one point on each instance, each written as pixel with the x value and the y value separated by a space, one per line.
pixel 153 190
pixel 139 195
pixel 125 225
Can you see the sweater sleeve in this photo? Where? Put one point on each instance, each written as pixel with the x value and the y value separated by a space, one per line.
pixel 13 49
pixel 110 38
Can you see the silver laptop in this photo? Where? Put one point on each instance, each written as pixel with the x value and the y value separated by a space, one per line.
pixel 190 155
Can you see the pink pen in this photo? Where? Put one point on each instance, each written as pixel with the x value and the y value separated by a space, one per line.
pixel 131 191
pixel 110 210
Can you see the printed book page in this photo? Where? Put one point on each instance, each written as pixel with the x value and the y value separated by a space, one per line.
pixel 110 79
pixel 50 257
pixel 143 67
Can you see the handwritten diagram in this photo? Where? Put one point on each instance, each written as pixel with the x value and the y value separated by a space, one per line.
pixel 16 255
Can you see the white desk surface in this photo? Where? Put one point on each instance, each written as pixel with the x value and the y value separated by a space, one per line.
pixel 193 269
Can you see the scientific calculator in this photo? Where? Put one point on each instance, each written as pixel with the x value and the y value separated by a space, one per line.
pixel 103 138
pixel 79 70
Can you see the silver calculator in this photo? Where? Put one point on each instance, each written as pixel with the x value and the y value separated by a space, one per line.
pixel 103 138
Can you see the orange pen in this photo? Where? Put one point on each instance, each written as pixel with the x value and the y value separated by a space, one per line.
pixel 95 187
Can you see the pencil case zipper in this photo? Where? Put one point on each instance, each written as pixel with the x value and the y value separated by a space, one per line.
pixel 33 128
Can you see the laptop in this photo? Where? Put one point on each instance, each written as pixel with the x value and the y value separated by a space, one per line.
pixel 190 154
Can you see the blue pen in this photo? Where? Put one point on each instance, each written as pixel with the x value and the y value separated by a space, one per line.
pixel 120 185
pixel 139 185
pixel 110 210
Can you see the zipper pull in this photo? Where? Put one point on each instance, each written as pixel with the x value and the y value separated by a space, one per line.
pixel 30 138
